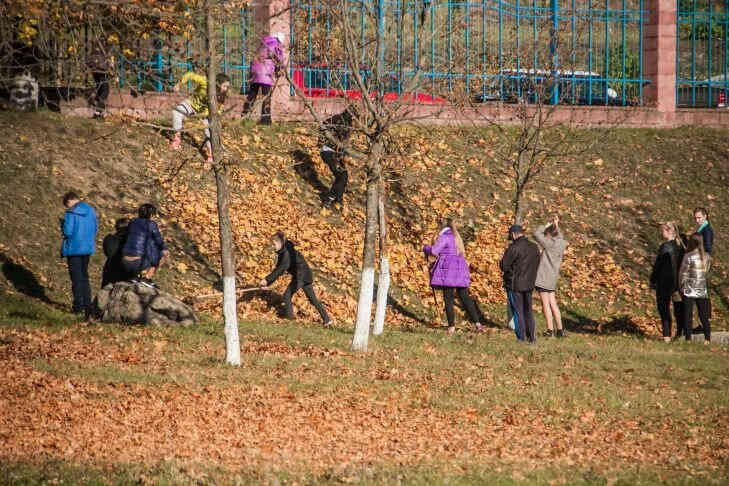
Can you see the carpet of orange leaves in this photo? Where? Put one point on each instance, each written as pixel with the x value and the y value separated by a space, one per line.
pixel 240 425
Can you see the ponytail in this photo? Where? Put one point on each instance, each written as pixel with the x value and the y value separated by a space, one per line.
pixel 450 223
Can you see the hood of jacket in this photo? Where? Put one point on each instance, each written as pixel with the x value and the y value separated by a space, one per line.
pixel 80 209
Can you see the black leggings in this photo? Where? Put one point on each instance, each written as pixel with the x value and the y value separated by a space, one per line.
pixel 266 107
pixel 466 302
pixel 704 307
pixel 664 310
pixel 308 289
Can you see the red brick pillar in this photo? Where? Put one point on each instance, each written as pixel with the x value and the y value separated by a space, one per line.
pixel 274 18
pixel 659 55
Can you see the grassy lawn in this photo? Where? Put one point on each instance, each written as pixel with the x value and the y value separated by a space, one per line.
pixel 100 404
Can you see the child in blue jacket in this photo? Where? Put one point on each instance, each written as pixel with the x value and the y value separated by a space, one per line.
pixel 79 243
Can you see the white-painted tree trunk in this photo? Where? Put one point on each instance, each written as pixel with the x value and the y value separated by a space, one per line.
pixel 364 310
pixel 383 287
pixel 367 279
pixel 232 343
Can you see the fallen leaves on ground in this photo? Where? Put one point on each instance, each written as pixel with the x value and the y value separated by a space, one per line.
pixel 267 195
pixel 242 425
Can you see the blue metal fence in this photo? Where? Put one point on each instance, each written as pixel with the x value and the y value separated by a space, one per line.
pixel 702 53
pixel 590 51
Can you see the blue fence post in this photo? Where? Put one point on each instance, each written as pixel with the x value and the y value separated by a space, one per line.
pixel 159 66
pixel 554 7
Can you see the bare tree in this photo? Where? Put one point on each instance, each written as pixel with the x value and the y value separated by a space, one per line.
pixel 230 314
pixel 532 108
pixel 53 40
pixel 350 51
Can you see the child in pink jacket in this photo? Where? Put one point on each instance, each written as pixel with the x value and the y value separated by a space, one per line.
pixel 264 70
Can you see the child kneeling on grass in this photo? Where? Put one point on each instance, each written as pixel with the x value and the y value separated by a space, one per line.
pixel 197 104
pixel 291 261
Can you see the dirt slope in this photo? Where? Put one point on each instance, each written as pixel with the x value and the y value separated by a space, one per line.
pixel 610 199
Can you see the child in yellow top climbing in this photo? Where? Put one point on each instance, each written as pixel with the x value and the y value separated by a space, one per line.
pixel 197 104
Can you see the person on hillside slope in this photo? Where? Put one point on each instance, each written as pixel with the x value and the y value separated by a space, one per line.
pixel 113 243
pixel 451 274
pixel 292 261
pixel 339 126
pixel 692 279
pixel 664 279
pixel 704 228
pixel 197 104
pixel 99 65
pixel 79 229
pixel 553 245
pixel 144 248
pixel 265 70
pixel 519 266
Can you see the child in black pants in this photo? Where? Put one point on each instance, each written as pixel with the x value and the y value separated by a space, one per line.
pixel 291 261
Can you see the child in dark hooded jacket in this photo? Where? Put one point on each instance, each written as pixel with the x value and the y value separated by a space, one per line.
pixel 289 260
pixel 114 271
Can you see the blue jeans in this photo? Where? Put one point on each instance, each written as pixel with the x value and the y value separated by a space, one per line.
pixel 78 269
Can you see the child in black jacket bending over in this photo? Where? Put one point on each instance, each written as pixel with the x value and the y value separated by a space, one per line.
pixel 291 261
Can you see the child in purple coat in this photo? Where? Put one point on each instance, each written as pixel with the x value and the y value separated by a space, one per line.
pixel 450 273
pixel 264 71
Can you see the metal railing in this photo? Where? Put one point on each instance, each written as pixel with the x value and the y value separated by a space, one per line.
pixel 702 53
pixel 485 50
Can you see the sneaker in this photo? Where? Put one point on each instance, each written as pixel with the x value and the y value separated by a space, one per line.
pixel 328 202
pixel 560 333
pixel 548 333
pixel 148 283
pixel 328 325
pixel 176 142
pixel 480 328
pixel 209 160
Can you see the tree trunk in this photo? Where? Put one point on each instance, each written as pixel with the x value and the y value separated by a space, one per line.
pixel 367 280
pixel 517 202
pixel 383 284
pixel 517 209
pixel 232 343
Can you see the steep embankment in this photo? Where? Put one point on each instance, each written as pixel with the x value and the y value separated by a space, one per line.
pixel 610 199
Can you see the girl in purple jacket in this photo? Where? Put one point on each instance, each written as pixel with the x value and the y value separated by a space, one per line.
pixel 450 273
pixel 264 70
